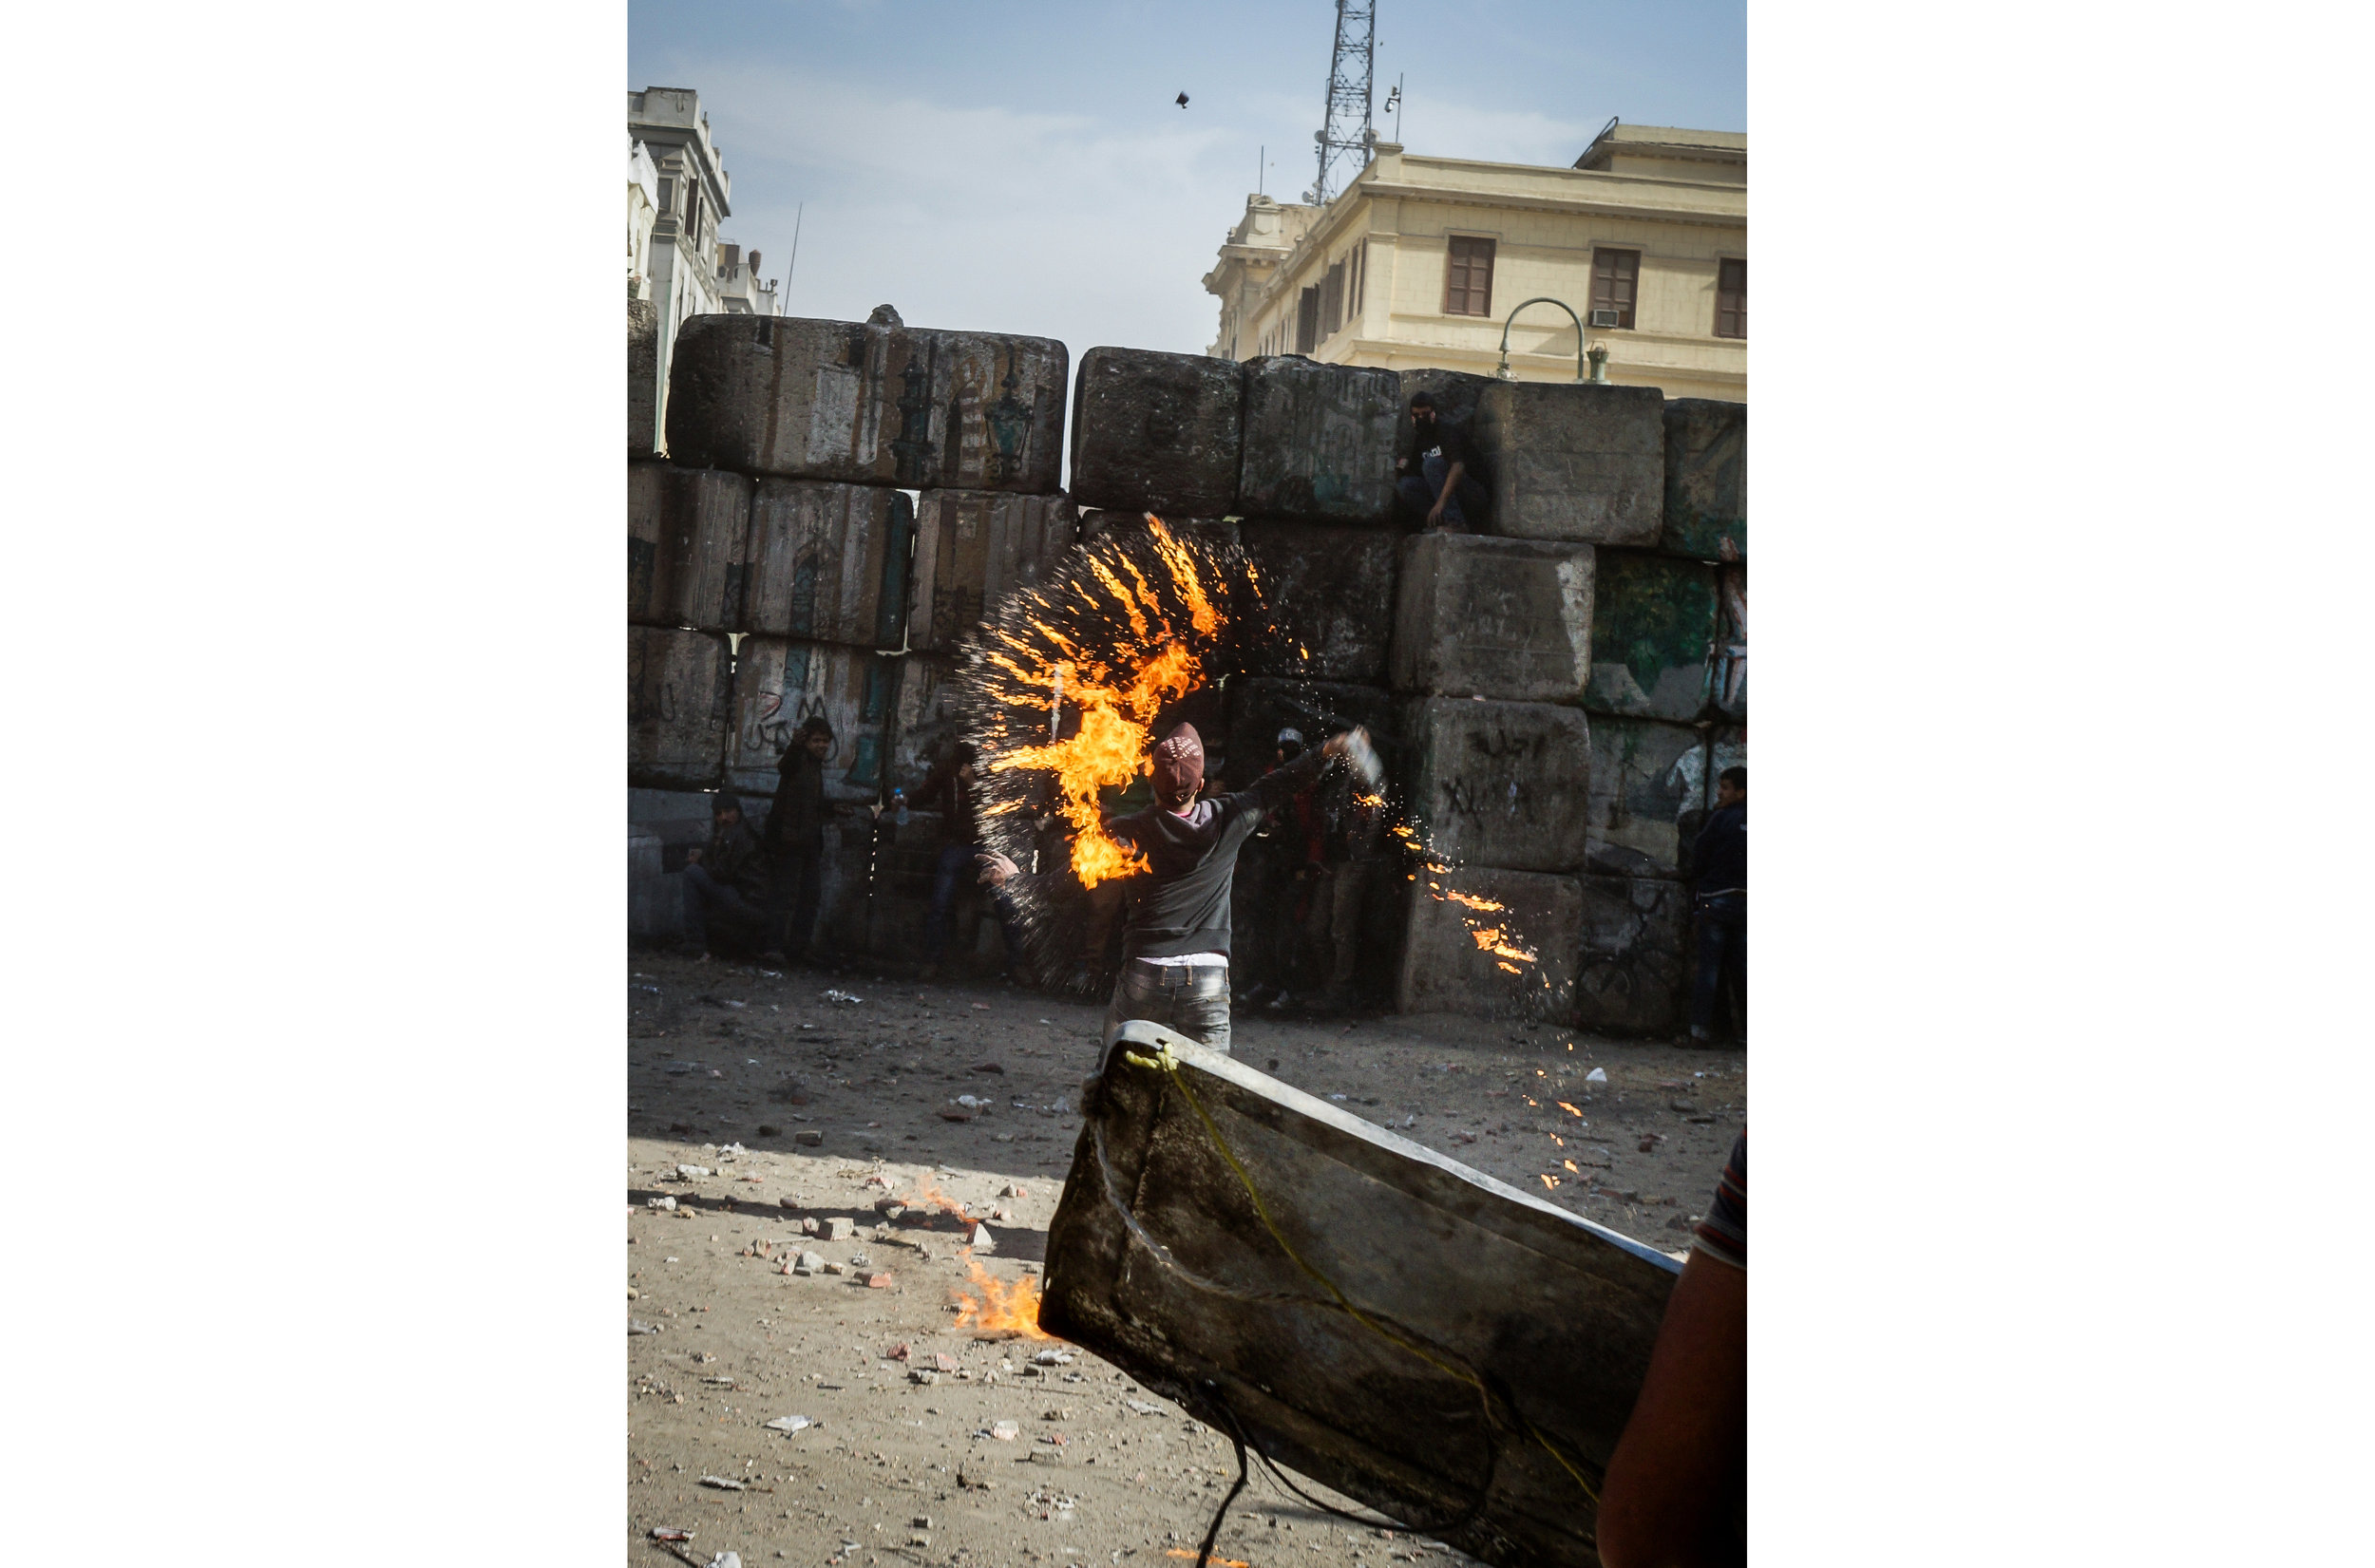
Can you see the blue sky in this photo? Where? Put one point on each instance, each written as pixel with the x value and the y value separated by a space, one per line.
pixel 1022 168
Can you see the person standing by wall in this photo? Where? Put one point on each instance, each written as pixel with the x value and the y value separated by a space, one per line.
pixel 1720 889
pixel 948 789
pixel 1353 820
pixel 796 841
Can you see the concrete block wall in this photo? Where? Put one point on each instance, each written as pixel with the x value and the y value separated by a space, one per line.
pixel 835 504
pixel 1556 690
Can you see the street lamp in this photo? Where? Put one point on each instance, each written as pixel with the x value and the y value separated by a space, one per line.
pixel 1507 374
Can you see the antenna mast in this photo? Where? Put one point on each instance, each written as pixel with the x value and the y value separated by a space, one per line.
pixel 1345 141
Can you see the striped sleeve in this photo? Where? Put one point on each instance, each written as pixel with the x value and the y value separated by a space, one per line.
pixel 1723 1235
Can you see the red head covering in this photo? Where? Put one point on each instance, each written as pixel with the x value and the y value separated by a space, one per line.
pixel 1179 766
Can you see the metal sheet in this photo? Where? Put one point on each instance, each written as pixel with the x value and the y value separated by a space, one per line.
pixel 1159 1262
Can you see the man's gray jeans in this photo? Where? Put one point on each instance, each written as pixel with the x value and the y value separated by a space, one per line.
pixel 1189 999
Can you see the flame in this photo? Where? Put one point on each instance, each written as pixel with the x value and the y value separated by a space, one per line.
pixel 1551 1181
pixel 939 1200
pixel 1115 694
pixel 1000 1309
pixel 1488 939
pixel 1571 1166
pixel 1569 1109
pixel 1488 906
pixel 1216 1560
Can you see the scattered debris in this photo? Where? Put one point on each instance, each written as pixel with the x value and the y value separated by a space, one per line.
pixel 840 998
pixel 633 1327
pixel 1052 1358
pixel 980 1241
pixel 1597 1075
pixel 669 1532
pixel 662 1202
pixel 808 1137
pixel 724 1484
pixel 878 1279
pixel 1013 1189
pixel 839 1229
pixel 693 1173
pixel 1006 1431
pixel 988 1066
pixel 790 1423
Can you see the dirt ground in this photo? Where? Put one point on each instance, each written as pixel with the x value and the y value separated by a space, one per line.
pixel 902 1459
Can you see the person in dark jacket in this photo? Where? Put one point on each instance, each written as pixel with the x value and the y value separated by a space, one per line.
pixel 948 789
pixel 1446 487
pixel 1176 935
pixel 726 884
pixel 1719 899
pixel 794 841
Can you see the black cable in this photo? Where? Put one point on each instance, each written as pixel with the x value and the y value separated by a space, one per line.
pixel 1205 1554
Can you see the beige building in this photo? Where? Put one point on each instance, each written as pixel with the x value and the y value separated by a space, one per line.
pixel 1421 260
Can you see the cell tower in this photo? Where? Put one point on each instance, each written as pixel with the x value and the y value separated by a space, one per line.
pixel 1345 141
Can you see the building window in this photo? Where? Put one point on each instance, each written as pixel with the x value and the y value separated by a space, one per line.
pixel 1307 320
pixel 1732 298
pixel 1467 279
pixel 1615 280
pixel 1331 302
pixel 1360 276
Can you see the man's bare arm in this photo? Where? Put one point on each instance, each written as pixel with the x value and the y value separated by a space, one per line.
pixel 1668 1498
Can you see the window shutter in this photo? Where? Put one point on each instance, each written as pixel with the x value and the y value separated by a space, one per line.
pixel 1614 279
pixel 1732 298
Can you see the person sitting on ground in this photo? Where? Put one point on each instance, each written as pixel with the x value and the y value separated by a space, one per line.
pixel 796 841
pixel 1175 931
pixel 726 884
pixel 1675 1494
pixel 1719 899
pixel 949 790
pixel 1448 491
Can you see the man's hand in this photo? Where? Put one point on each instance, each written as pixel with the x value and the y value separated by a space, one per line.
pixel 693 857
pixel 996 870
pixel 1434 513
pixel 1341 743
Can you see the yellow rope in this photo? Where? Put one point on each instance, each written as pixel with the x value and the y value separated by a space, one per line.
pixel 1164 1060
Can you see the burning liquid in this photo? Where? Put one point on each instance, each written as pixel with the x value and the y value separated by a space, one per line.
pixel 1000 1309
pixel 1074 673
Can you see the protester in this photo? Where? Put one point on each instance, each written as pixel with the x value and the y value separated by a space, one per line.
pixel 726 885
pixel 1175 932
pixel 1273 882
pixel 949 790
pixel 1720 886
pixel 796 841
pixel 1674 1496
pixel 1352 824
pixel 1448 491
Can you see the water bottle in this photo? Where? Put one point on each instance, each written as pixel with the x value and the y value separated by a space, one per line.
pixel 899 807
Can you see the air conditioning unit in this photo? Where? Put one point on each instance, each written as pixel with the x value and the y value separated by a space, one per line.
pixel 1605 318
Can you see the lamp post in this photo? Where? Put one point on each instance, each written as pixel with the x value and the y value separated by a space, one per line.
pixel 1507 374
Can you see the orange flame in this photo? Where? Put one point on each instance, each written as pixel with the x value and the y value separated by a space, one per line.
pixel 932 1195
pixel 1115 697
pixel 1000 1309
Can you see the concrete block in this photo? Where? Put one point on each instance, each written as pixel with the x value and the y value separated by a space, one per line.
pixel 924 715
pixel 828 562
pixel 1155 432
pixel 1572 461
pixel 1330 596
pixel 779 684
pixel 974 548
pixel 655 895
pixel 1219 532
pixel 687 546
pixel 868 405
pixel 1645 776
pixel 1492 617
pixel 1653 635
pixel 1259 708
pixel 679 695
pixel 1706 480
pixel 1459 957
pixel 642 379
pixel 1633 970
pixel 1498 783
pixel 1319 441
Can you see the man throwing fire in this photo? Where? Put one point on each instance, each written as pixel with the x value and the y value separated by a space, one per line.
pixel 1175 928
